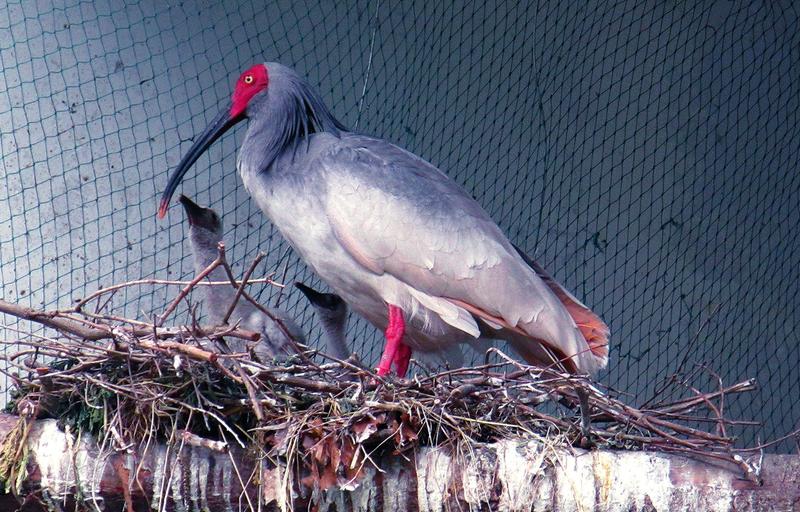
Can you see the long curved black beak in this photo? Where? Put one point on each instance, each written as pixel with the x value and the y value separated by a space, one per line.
pixel 221 124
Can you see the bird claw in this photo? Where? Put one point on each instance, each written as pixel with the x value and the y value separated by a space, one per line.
pixel 395 352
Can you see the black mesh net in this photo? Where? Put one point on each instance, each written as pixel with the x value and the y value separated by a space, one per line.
pixel 647 155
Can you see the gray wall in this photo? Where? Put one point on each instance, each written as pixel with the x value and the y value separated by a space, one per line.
pixel 647 154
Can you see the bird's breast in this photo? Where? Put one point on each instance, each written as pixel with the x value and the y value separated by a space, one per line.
pixel 294 203
pixel 294 199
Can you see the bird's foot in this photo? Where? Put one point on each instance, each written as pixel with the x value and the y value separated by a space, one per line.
pixel 394 342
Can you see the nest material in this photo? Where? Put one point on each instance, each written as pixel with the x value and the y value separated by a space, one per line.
pixel 131 383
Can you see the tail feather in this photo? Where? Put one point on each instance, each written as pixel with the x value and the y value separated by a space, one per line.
pixel 591 326
pixel 539 352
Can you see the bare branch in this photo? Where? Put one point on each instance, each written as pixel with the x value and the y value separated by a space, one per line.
pixel 240 289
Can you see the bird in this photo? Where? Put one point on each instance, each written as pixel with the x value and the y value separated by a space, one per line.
pixel 276 328
pixel 332 313
pixel 403 244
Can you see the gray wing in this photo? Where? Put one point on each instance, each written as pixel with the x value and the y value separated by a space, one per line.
pixel 397 214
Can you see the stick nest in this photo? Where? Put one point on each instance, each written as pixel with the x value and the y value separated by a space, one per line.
pixel 132 383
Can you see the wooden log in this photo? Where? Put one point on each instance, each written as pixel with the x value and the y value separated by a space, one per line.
pixel 510 475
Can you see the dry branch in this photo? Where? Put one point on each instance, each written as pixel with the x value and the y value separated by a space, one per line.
pixel 68 323
pixel 326 426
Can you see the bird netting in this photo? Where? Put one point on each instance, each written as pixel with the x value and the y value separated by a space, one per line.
pixel 645 153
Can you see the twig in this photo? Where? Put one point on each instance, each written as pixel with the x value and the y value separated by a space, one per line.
pixel 188 288
pixel 64 323
pixel 78 307
pixel 685 358
pixel 269 314
pixel 50 319
pixel 251 391
pixel 195 440
pixel 240 289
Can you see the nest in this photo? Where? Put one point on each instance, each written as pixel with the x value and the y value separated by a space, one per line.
pixel 131 383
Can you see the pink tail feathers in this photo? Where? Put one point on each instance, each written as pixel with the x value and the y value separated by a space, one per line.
pixel 592 327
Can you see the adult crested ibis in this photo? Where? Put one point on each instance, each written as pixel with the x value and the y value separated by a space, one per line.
pixel 205 233
pixel 404 245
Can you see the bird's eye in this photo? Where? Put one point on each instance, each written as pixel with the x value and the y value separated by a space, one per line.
pixel 248 79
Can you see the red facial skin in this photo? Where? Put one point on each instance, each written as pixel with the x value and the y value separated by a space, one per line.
pixel 250 83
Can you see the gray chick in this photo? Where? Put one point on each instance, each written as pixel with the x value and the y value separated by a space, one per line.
pixel 332 313
pixel 205 232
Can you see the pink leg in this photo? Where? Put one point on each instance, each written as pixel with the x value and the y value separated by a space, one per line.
pixel 394 339
pixel 402 359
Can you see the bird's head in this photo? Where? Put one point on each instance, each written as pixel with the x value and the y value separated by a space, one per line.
pixel 275 96
pixel 328 305
pixel 205 226
pixel 250 83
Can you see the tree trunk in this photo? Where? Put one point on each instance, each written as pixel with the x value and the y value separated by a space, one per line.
pixel 500 476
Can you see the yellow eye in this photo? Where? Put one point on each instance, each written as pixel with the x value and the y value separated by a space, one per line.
pixel 248 79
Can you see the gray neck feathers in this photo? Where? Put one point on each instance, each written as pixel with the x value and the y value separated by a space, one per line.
pixel 333 329
pixel 217 299
pixel 282 117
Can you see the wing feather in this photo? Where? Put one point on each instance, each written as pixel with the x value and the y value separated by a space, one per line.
pixel 397 214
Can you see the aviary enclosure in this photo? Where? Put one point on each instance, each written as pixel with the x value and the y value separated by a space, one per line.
pixel 645 153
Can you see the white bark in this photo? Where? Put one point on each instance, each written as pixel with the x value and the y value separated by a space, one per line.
pixel 504 476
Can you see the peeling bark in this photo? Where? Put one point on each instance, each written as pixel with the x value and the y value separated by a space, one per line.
pixel 500 476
